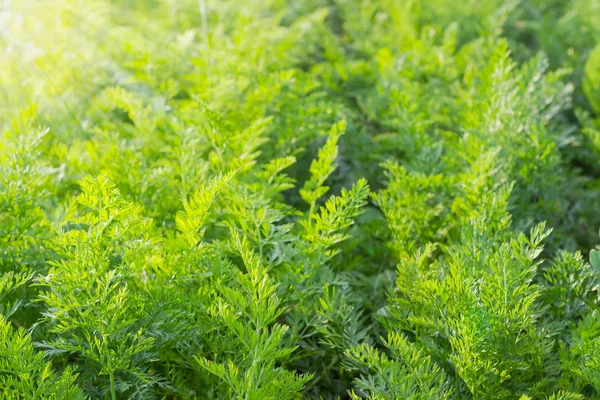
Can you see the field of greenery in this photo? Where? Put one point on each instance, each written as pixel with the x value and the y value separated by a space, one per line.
pixel 300 199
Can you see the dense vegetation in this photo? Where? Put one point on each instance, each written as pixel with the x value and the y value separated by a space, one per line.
pixel 320 199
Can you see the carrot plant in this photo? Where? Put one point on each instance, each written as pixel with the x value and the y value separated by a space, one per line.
pixel 325 199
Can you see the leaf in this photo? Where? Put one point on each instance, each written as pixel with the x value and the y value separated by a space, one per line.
pixel 595 259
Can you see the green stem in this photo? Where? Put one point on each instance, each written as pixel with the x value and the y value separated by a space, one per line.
pixel 113 394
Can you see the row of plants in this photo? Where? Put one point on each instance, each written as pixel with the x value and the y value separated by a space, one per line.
pixel 323 199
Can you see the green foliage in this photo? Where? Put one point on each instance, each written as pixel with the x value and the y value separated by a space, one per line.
pixel 26 375
pixel 248 308
pixel 409 375
pixel 320 199
pixel 100 251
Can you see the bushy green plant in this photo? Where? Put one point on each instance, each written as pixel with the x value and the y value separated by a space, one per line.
pixel 325 199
